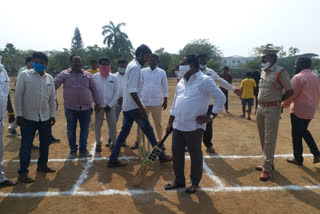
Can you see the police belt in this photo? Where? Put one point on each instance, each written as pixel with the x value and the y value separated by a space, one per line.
pixel 269 104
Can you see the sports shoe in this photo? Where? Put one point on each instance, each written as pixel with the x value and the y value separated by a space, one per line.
pixel 72 155
pixel 85 155
pixel 98 148
pixel 211 150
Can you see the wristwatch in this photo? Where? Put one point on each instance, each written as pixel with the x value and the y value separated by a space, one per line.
pixel 212 115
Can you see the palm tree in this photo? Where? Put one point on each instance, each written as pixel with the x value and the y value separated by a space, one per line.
pixel 115 38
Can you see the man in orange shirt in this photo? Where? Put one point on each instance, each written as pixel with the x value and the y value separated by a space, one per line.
pixel 247 86
pixel 303 105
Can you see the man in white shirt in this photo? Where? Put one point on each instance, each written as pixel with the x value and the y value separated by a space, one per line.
pixel 133 108
pixel 36 109
pixel 207 136
pixel 188 115
pixel 154 88
pixel 107 84
pixel 5 105
pixel 122 65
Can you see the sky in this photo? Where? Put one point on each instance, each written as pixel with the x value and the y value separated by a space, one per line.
pixel 235 26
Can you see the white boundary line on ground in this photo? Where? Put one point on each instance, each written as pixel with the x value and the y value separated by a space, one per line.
pixel 135 192
pixel 137 158
pixel 221 188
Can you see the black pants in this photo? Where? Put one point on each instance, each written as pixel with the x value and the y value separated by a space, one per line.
pixel 207 135
pixel 27 135
pixel 226 106
pixel 299 131
pixel 192 140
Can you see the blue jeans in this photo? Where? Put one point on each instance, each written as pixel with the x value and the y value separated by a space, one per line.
pixel 27 135
pixel 72 117
pixel 143 123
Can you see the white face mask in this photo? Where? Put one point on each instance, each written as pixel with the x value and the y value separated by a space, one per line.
pixel 121 70
pixel 202 67
pixel 265 65
pixel 183 69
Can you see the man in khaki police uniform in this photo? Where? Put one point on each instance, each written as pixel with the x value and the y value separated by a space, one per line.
pixel 274 79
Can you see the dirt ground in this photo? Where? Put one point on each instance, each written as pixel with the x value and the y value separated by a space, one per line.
pixel 230 183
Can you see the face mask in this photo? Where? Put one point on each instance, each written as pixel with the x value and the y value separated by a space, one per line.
pixel 265 65
pixel 122 70
pixel 38 67
pixel 104 70
pixel 202 67
pixel 183 69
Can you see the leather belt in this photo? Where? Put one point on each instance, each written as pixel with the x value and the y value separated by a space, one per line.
pixel 269 104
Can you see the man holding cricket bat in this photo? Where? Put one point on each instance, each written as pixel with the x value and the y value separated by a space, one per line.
pixel 188 117
pixel 133 109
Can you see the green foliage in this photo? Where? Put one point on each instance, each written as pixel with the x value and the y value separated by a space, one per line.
pixel 258 50
pixel 293 51
pixel 76 42
pixel 201 46
pixel 116 39
pixel 316 65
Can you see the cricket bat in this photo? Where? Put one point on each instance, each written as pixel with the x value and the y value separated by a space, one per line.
pixel 146 164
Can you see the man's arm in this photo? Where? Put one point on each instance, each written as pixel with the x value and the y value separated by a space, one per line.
pixel 133 81
pixel 115 93
pixel 212 91
pixel 286 83
pixel 18 98
pixel 223 83
pixel 10 110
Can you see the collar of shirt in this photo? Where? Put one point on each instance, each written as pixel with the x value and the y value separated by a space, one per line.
pixel 305 71
pixel 34 72
pixel 272 68
pixel 138 64
pixel 193 77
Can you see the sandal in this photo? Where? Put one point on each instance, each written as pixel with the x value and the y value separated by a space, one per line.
pixel 173 185
pixel 192 189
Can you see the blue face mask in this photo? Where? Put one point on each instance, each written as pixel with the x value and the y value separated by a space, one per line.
pixel 38 67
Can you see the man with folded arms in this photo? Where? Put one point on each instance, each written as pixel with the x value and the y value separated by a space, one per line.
pixel 188 117
pixel 303 105
pixel 274 80
pixel 36 109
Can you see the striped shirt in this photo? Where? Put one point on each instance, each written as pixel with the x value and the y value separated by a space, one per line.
pixel 35 96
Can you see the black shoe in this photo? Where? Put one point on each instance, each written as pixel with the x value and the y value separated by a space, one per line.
pixel 135 145
pixel 35 147
pixel 117 164
pixel 13 132
pixel 46 169
pixel 124 144
pixel 54 140
pixel 98 148
pixel 108 143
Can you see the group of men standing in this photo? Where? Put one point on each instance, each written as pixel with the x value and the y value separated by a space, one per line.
pixel 137 92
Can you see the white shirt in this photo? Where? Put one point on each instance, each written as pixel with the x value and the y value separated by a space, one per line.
pixel 132 84
pixel 154 86
pixel 35 96
pixel 4 91
pixel 108 89
pixel 120 83
pixel 192 99
pixel 218 80
pixel 24 68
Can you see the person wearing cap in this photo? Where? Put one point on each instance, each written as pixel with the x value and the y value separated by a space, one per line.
pixel 274 80
pixel 207 135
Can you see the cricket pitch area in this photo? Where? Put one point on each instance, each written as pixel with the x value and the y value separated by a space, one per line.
pixel 230 183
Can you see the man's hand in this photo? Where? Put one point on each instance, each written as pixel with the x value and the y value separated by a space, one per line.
pixel 52 121
pixel 97 107
pixel 203 119
pixel 20 121
pixel 165 103
pixel 143 112
pixel 120 101
pixel 11 118
pixel 238 92
pixel 169 127
pixel 107 109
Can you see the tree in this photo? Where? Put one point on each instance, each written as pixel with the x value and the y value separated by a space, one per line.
pixel 201 46
pixel 76 42
pixel 115 38
pixel 293 51
pixel 10 49
pixel 258 50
